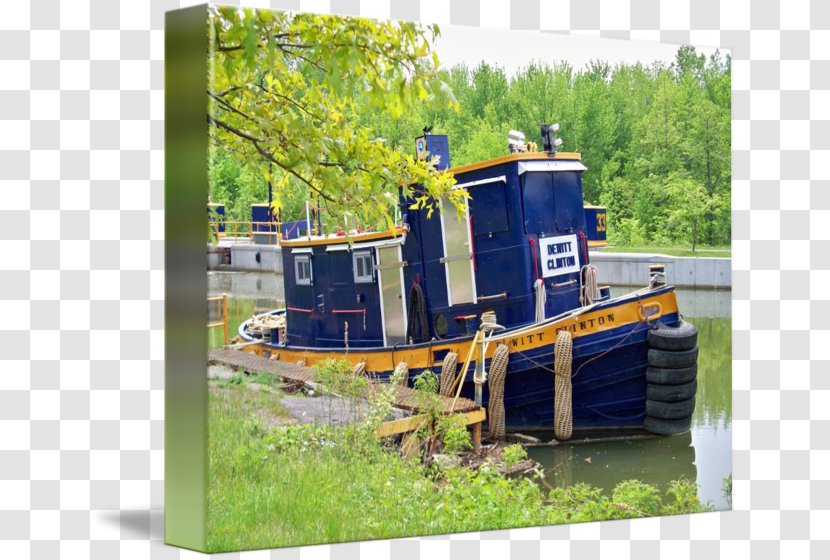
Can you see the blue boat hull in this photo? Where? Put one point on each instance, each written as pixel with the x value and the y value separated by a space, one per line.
pixel 608 383
pixel 608 374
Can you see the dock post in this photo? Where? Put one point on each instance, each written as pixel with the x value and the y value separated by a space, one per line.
pixel 225 316
pixel 479 377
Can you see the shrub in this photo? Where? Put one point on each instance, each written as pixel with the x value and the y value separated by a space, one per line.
pixel 454 434
pixel 513 455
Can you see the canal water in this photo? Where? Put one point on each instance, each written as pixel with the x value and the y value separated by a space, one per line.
pixel 703 455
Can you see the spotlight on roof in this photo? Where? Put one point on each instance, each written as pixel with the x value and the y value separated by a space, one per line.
pixel 549 141
pixel 516 142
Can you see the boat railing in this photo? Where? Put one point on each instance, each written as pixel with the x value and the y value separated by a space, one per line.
pixel 244 231
pixel 217 313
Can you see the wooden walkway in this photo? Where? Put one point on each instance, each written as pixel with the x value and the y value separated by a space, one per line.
pixel 406 398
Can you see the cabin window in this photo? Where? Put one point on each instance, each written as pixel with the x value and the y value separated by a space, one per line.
pixel 488 208
pixel 363 268
pixel 567 191
pixel 538 203
pixel 302 270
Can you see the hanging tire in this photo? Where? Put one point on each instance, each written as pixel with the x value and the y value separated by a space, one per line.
pixel 681 337
pixel 670 410
pixel 675 376
pixel 673 359
pixel 671 393
pixel 665 427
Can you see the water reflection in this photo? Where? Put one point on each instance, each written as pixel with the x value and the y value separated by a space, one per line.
pixel 654 460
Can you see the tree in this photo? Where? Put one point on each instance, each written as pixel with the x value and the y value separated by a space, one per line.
pixel 690 205
pixel 286 92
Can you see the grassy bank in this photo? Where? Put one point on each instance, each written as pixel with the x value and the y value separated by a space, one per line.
pixel 277 483
pixel 720 251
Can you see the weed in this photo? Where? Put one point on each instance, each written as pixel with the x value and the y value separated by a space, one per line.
pixel 454 434
pixel 513 455
pixel 726 489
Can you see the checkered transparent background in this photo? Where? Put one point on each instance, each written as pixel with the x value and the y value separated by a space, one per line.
pixel 81 279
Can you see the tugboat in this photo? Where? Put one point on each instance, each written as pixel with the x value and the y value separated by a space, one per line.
pixel 506 291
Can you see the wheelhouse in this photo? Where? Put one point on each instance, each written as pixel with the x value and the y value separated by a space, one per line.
pixel 522 232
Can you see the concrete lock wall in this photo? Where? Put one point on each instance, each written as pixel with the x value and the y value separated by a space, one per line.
pixel 244 257
pixel 631 269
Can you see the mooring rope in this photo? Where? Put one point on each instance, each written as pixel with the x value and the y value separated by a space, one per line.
pixel 588 291
pixel 541 298
pixel 448 374
pixel 495 384
pixel 563 390
pixel 359 369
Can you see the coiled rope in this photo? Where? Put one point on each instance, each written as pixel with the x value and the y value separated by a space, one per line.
pixel 258 323
pixel 448 374
pixel 563 390
pixel 417 326
pixel 359 369
pixel 495 384
pixel 588 291
pixel 488 318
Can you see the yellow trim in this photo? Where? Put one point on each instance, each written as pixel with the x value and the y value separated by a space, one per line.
pixel 597 243
pixel 514 157
pixel 357 238
pixel 417 358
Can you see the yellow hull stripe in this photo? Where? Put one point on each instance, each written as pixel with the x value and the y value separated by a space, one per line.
pixel 385 360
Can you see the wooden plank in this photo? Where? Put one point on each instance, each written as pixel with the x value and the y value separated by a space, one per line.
pixel 406 398
pixel 412 423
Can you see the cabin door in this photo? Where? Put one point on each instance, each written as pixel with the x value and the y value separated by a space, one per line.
pixel 458 255
pixel 393 305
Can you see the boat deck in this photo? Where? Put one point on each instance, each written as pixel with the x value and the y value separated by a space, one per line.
pixel 406 398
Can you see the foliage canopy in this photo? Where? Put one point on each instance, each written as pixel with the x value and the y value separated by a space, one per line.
pixel 286 91
pixel 655 138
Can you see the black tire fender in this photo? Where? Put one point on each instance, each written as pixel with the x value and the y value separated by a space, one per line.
pixel 673 359
pixel 670 410
pixel 671 376
pixel 681 337
pixel 665 427
pixel 671 393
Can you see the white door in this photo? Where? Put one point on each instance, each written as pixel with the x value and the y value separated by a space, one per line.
pixel 393 305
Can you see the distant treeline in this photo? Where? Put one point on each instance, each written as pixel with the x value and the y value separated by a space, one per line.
pixel 655 139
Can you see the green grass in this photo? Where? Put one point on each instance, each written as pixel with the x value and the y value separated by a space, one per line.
pixel 289 485
pixel 721 251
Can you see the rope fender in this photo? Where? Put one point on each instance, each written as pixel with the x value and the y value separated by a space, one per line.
pixel 448 374
pixel 563 389
pixel 495 384
pixel 401 373
pixel 359 369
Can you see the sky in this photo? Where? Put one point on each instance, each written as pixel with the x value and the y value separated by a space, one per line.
pixel 514 49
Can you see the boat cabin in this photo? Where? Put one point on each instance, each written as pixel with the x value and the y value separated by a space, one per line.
pixel 522 232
